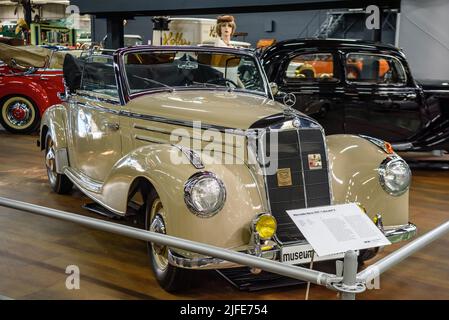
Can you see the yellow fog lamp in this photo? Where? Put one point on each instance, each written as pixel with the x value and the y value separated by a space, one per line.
pixel 265 225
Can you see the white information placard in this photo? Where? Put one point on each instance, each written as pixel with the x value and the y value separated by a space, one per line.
pixel 337 229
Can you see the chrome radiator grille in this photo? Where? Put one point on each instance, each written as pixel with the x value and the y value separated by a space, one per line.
pixel 309 182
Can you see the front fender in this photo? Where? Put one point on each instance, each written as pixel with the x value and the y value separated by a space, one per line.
pixel 354 164
pixel 227 229
pixel 54 119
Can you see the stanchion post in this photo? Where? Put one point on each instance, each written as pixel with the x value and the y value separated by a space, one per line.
pixel 349 274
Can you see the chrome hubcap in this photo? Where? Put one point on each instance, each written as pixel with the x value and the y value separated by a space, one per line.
pixel 50 161
pixel 18 113
pixel 158 226
pixel 160 252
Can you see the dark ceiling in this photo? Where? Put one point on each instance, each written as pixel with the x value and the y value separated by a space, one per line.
pixel 183 7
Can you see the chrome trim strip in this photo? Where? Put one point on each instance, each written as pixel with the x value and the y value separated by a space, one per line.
pixel 261 189
pixel 183 123
pixel 377 142
pixel 146 139
pixel 91 96
pixel 98 108
pixel 86 182
pixel 44 75
pixel 302 171
pixel 151 129
pixel 262 152
pixel 178 89
pixel 162 131
pixel 193 157
pixel 51 70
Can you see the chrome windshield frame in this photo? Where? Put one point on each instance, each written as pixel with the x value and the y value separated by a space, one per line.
pixel 127 95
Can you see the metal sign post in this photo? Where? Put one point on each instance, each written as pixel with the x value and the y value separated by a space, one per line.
pixel 349 286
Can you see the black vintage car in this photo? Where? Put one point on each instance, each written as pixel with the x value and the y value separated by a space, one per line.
pixel 358 87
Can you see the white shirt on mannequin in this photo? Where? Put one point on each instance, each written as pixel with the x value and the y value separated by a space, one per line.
pixel 220 43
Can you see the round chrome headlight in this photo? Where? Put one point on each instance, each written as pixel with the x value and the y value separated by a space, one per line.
pixel 204 194
pixel 395 176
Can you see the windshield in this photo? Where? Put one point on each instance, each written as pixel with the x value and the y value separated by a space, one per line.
pixel 192 69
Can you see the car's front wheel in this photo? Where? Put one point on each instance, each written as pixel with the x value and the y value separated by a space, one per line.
pixel 169 277
pixel 58 182
pixel 19 115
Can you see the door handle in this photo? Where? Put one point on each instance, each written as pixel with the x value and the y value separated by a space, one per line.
pixel 112 126
pixel 410 96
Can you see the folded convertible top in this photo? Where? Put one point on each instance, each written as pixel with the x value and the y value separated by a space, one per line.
pixel 31 56
pixel 72 69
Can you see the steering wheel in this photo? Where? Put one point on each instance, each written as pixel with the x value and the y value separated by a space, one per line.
pixel 221 81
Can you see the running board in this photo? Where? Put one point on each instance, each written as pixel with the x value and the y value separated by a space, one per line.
pixel 132 212
pixel 98 209
pixel 244 280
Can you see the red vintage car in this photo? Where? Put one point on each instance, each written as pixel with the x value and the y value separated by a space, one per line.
pixel 30 80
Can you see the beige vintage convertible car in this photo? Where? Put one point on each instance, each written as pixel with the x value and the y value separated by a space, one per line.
pixel 190 140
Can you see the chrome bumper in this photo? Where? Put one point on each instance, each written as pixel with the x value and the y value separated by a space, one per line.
pixel 205 263
pixel 400 233
pixel 394 234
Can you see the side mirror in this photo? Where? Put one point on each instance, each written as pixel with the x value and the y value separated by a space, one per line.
pixel 274 88
pixel 63 96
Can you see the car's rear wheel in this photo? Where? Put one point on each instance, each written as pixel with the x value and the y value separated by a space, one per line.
pixel 19 115
pixel 58 182
pixel 169 277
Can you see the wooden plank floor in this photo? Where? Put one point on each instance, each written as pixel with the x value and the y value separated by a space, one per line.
pixel 35 250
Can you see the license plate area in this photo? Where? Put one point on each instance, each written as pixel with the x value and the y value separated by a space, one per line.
pixel 299 254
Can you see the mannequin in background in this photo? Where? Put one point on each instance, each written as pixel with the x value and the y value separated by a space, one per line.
pixel 225 29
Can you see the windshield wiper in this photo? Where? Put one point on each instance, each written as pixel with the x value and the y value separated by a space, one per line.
pixel 171 89
pixel 213 85
pixel 205 84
